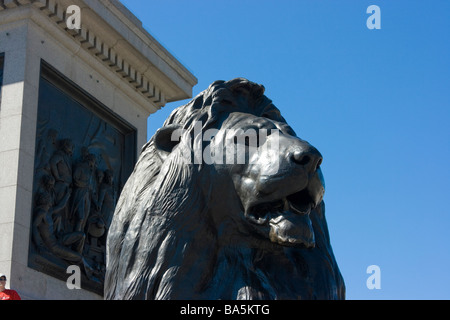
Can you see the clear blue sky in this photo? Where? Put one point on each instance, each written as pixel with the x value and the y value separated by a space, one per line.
pixel 376 103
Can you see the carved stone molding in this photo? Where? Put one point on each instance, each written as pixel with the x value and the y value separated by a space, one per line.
pixel 115 51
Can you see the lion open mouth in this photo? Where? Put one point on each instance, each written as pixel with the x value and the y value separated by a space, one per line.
pixel 287 219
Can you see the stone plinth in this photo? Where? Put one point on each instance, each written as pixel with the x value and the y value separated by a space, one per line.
pixel 114 69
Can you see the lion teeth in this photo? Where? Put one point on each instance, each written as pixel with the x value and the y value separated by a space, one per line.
pixel 286 205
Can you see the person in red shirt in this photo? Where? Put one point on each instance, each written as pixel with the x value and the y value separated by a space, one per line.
pixel 7 294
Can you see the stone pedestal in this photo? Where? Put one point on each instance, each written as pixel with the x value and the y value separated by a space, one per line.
pixel 90 90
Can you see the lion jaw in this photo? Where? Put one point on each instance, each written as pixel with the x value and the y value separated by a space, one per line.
pixel 292 229
pixel 286 221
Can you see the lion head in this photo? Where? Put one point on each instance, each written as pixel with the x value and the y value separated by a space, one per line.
pixel 225 202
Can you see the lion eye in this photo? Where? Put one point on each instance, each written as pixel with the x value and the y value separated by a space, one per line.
pixel 247 141
pixel 226 101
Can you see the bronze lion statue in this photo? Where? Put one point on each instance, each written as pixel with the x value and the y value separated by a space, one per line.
pixel 198 219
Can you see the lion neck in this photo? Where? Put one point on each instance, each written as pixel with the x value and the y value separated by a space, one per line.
pixel 231 272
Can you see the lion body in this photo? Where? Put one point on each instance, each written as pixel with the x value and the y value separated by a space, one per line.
pixel 179 232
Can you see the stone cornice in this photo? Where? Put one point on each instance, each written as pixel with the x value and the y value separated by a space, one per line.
pixel 114 36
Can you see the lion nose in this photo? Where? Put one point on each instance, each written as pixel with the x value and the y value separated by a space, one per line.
pixel 309 158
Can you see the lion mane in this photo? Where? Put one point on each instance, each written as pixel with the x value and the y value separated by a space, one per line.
pixel 168 241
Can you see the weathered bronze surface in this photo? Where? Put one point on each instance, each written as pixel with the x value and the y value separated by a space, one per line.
pixel 194 222
pixel 82 161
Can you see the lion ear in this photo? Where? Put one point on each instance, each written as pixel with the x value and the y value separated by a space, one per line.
pixel 166 138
